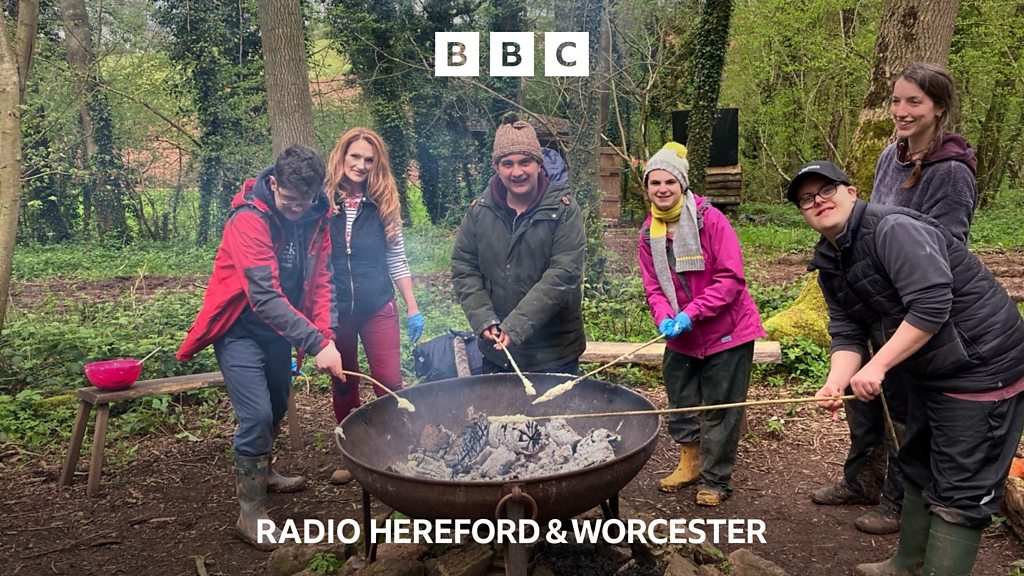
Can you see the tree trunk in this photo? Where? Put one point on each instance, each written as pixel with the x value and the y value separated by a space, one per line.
pixel 103 195
pixel 15 63
pixel 290 106
pixel 711 42
pixel 911 31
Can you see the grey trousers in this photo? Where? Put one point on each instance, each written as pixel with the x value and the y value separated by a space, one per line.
pixel 721 378
pixel 258 378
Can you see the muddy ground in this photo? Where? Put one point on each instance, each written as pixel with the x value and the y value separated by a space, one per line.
pixel 174 499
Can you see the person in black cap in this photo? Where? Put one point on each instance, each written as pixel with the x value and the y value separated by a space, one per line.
pixel 929 169
pixel 898 281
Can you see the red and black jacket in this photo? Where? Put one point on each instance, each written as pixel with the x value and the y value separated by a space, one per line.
pixel 246 273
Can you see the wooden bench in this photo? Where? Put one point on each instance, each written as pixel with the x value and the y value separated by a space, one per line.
pixel 91 397
pixel 765 352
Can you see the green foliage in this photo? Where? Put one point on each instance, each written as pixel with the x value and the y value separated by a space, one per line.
pixel 91 261
pixel 220 53
pixel 710 46
pixel 772 299
pixel 429 249
pixel 768 240
pixel 617 310
pixel 324 563
pixel 806 362
pixel 998 226
pixel 775 427
pixel 23 420
pixel 798 73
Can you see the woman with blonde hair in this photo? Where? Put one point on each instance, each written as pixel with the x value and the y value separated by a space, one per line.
pixel 368 254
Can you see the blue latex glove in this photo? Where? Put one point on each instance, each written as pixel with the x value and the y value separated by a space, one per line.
pixel 414 324
pixel 668 328
pixel 683 322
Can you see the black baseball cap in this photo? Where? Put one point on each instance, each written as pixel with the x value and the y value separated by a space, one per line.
pixel 819 167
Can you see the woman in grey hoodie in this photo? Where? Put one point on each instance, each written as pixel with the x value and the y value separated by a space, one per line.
pixel 929 168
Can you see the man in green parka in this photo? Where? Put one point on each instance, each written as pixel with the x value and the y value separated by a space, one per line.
pixel 517 265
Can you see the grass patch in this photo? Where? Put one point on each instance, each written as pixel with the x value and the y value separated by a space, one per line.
pixel 91 261
pixel 998 226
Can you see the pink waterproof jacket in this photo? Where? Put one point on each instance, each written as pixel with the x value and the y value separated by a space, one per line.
pixel 723 313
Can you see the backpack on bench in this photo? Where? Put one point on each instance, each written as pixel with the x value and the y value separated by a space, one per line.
pixel 451 355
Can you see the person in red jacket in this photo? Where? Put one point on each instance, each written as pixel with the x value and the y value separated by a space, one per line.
pixel 270 290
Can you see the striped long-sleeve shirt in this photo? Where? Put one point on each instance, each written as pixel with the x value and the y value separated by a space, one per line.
pixel 398 264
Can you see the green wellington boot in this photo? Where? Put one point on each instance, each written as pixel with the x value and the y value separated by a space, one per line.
pixel 914 539
pixel 951 549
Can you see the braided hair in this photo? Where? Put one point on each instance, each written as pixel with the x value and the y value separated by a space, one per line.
pixel 936 82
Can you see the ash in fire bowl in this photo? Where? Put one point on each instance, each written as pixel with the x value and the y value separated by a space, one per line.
pixel 485 450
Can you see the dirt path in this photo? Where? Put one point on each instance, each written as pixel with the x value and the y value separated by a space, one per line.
pixel 175 500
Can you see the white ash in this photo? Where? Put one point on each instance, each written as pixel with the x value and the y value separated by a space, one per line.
pixel 505 451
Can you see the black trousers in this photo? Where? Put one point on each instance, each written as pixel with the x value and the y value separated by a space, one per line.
pixel 871 466
pixel 959 452
pixel 721 378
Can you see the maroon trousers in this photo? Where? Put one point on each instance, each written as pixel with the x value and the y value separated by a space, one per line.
pixel 380 335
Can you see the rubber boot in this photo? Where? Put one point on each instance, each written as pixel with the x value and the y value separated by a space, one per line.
pixel 952 549
pixel 278 483
pixel 915 524
pixel 686 472
pixel 251 491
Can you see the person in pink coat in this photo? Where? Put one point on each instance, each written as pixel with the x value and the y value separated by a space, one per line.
pixel 692 272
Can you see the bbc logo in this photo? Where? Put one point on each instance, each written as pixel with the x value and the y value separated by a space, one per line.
pixel 458 54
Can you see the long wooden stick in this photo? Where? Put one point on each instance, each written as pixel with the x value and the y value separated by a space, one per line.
pixel 521 418
pixel 530 390
pixel 566 386
pixel 150 355
pixel 402 402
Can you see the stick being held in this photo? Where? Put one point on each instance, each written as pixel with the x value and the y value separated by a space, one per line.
pixel 566 386
pixel 530 390
pixel 402 402
pixel 513 418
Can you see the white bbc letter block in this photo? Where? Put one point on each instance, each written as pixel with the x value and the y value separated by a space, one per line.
pixel 511 54
pixel 456 54
pixel 567 54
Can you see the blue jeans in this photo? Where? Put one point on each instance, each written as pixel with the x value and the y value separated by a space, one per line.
pixel 258 377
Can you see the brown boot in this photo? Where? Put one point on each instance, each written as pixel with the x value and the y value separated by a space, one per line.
pixel 278 483
pixel 251 492
pixel 840 494
pixel 341 476
pixel 884 569
pixel 883 519
pixel 711 497
pixel 686 472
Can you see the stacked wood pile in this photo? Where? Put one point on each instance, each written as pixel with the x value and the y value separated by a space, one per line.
pixel 724 185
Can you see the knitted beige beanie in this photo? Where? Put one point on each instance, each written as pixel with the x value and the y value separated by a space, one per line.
pixel 515 136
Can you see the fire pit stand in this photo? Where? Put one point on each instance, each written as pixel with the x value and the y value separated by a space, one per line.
pixel 378 434
pixel 515 504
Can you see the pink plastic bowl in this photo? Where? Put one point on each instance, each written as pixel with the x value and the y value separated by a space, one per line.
pixel 113 374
